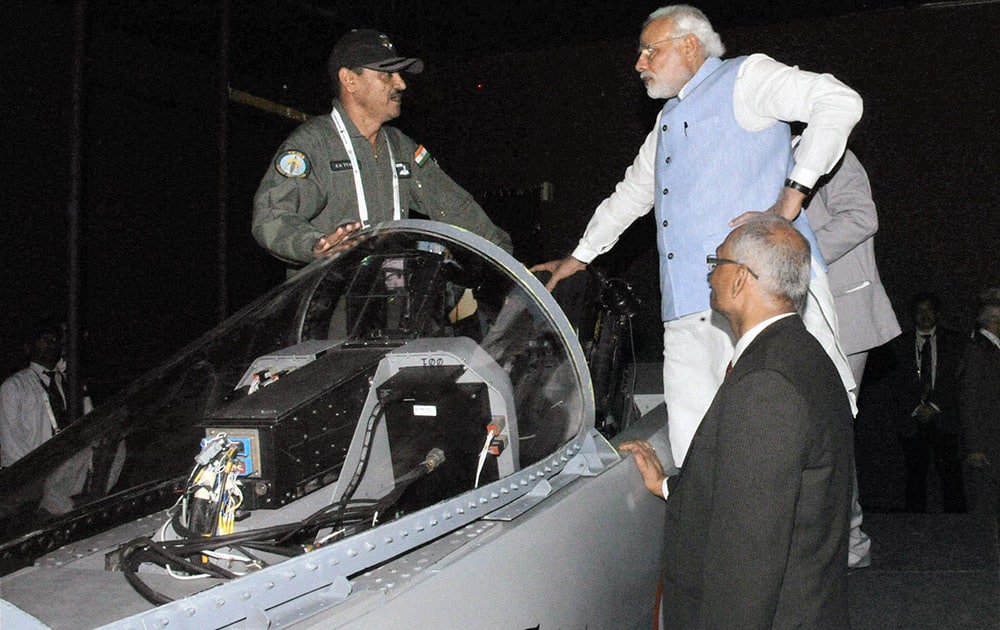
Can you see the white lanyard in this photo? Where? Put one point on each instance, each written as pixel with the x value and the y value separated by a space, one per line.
pixel 48 404
pixel 358 187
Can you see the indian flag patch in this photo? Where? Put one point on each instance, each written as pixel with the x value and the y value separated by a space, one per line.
pixel 421 155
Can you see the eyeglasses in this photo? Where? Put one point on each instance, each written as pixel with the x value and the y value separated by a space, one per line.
pixel 714 261
pixel 650 49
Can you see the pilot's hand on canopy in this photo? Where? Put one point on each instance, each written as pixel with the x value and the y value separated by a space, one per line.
pixel 335 241
pixel 648 463
pixel 559 269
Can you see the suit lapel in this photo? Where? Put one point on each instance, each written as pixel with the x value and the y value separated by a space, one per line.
pixel 750 360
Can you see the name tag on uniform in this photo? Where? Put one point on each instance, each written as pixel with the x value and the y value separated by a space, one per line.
pixel 340 165
pixel 403 170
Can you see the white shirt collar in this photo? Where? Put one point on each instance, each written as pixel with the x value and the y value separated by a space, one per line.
pixel 709 66
pixel 751 334
pixel 40 369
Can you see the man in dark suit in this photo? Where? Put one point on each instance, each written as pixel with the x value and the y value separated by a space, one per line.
pixel 979 408
pixel 757 520
pixel 923 386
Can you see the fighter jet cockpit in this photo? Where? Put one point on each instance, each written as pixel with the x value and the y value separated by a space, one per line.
pixel 416 381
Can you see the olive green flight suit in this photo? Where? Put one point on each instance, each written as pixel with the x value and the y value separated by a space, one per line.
pixel 295 207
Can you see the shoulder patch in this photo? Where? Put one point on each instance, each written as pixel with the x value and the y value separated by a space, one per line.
pixel 292 164
pixel 421 155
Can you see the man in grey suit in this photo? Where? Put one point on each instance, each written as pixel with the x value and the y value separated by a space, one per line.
pixel 844 220
pixel 842 214
pixel 757 520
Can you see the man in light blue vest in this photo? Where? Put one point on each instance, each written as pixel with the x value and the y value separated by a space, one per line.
pixel 720 151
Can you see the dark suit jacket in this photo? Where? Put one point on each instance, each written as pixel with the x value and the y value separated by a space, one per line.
pixel 907 389
pixel 979 398
pixel 757 521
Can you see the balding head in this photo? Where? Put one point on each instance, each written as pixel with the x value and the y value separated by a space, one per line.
pixel 760 271
pixel 779 254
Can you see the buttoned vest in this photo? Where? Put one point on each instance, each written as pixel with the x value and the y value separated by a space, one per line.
pixel 710 170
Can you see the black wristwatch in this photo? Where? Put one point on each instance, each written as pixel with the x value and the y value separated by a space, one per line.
pixel 794 185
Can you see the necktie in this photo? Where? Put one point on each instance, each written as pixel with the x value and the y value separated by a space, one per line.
pixel 926 366
pixel 729 369
pixel 56 400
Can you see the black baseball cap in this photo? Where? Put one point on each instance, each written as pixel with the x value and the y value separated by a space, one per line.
pixel 365 48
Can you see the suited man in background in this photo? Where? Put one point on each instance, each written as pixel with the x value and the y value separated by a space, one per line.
pixel 33 400
pixel 979 408
pixel 923 387
pixel 757 520
pixel 842 214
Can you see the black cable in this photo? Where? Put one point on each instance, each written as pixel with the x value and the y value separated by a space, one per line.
pixel 359 471
pixel 174 553
pixel 346 512
pixel 243 549
pixel 191 567
pixel 125 554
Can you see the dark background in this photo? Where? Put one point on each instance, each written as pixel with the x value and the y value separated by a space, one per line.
pixel 516 94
